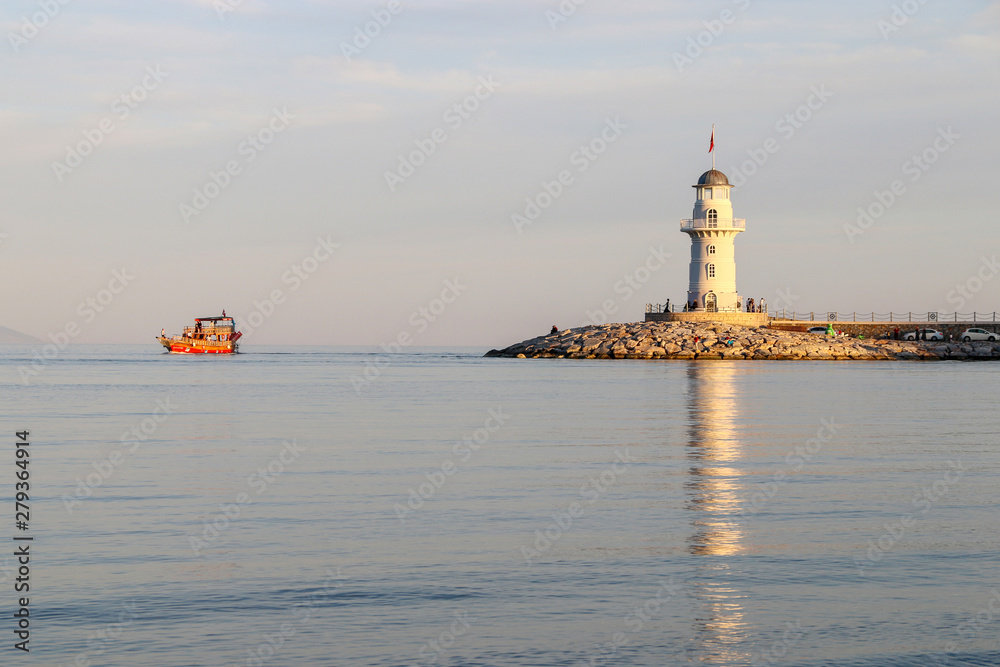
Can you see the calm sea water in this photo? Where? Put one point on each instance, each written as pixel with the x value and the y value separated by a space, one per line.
pixel 454 510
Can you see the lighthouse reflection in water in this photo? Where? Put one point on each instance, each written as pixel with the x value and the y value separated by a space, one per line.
pixel 714 500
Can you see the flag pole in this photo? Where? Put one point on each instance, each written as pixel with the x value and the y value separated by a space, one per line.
pixel 713 146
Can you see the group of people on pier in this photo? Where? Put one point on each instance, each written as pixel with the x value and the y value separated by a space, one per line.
pixel 751 306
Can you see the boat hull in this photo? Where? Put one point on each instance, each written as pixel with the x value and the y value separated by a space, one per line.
pixel 199 347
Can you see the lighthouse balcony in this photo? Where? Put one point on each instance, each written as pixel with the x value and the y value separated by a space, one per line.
pixel 713 223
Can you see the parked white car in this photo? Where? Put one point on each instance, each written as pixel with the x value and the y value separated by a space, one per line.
pixel 932 334
pixel 977 334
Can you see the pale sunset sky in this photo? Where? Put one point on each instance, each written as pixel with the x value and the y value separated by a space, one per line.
pixel 167 159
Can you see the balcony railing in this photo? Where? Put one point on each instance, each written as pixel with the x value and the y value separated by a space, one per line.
pixel 705 223
pixel 208 331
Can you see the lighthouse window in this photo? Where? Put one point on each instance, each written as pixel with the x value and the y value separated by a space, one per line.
pixel 711 270
pixel 707 193
pixel 711 250
pixel 713 218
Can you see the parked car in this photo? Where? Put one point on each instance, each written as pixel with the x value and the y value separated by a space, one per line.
pixel 816 330
pixel 977 334
pixel 932 334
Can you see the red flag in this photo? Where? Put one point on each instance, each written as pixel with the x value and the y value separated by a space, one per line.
pixel 711 146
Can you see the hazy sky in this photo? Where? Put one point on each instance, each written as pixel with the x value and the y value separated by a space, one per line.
pixel 114 113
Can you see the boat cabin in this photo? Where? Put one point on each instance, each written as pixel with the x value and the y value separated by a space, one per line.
pixel 211 329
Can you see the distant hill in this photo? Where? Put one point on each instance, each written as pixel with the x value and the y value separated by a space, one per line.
pixel 9 336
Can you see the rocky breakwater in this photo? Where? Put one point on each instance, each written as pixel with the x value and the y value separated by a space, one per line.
pixel 705 340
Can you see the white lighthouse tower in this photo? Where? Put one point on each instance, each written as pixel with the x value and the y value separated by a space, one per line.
pixel 713 229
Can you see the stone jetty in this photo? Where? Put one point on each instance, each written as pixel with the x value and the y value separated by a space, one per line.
pixel 707 340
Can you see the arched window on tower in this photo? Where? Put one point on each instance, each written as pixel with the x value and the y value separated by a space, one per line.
pixel 713 218
pixel 711 270
pixel 711 250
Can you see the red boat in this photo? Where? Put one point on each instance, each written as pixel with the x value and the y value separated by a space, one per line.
pixel 209 335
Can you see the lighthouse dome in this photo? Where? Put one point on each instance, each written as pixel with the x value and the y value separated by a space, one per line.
pixel 713 177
